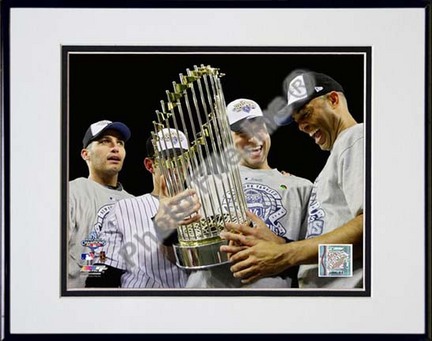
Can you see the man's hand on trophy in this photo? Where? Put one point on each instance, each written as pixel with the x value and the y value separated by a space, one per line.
pixel 245 232
pixel 259 259
pixel 248 248
pixel 255 252
pixel 180 209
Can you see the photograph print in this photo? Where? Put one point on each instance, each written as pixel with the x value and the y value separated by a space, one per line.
pixel 215 171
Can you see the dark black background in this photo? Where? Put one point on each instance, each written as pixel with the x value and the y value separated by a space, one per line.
pixel 128 87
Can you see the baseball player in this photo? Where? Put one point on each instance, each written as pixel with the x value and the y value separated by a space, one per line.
pixel 280 199
pixel 317 103
pixel 133 254
pixel 91 198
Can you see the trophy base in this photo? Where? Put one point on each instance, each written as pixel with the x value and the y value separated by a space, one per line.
pixel 200 256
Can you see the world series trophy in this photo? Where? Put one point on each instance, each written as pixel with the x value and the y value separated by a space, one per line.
pixel 196 107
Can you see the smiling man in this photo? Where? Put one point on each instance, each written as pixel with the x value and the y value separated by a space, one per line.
pixel 318 104
pixel 249 133
pixel 279 199
pixel 90 199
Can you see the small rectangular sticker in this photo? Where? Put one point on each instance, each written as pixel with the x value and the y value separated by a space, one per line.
pixel 335 260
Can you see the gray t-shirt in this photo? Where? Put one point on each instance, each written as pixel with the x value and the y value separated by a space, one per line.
pixel 337 197
pixel 281 201
pixel 89 203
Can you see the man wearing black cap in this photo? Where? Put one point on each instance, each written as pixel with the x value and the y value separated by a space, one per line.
pixel 91 198
pixel 316 102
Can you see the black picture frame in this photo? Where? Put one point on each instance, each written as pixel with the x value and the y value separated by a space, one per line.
pixel 9 144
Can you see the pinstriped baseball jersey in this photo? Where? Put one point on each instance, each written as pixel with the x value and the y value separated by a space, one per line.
pixel 89 203
pixel 132 245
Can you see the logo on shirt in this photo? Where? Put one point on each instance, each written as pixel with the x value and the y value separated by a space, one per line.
pixel 100 216
pixel 266 203
pixel 316 216
pixel 92 241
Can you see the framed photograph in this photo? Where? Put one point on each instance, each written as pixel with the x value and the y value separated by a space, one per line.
pixel 91 73
pixel 66 66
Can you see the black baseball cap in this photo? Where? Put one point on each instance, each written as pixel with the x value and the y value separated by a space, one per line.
pixel 301 87
pixel 96 129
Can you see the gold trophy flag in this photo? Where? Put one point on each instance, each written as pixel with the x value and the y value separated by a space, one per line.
pixel 194 116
